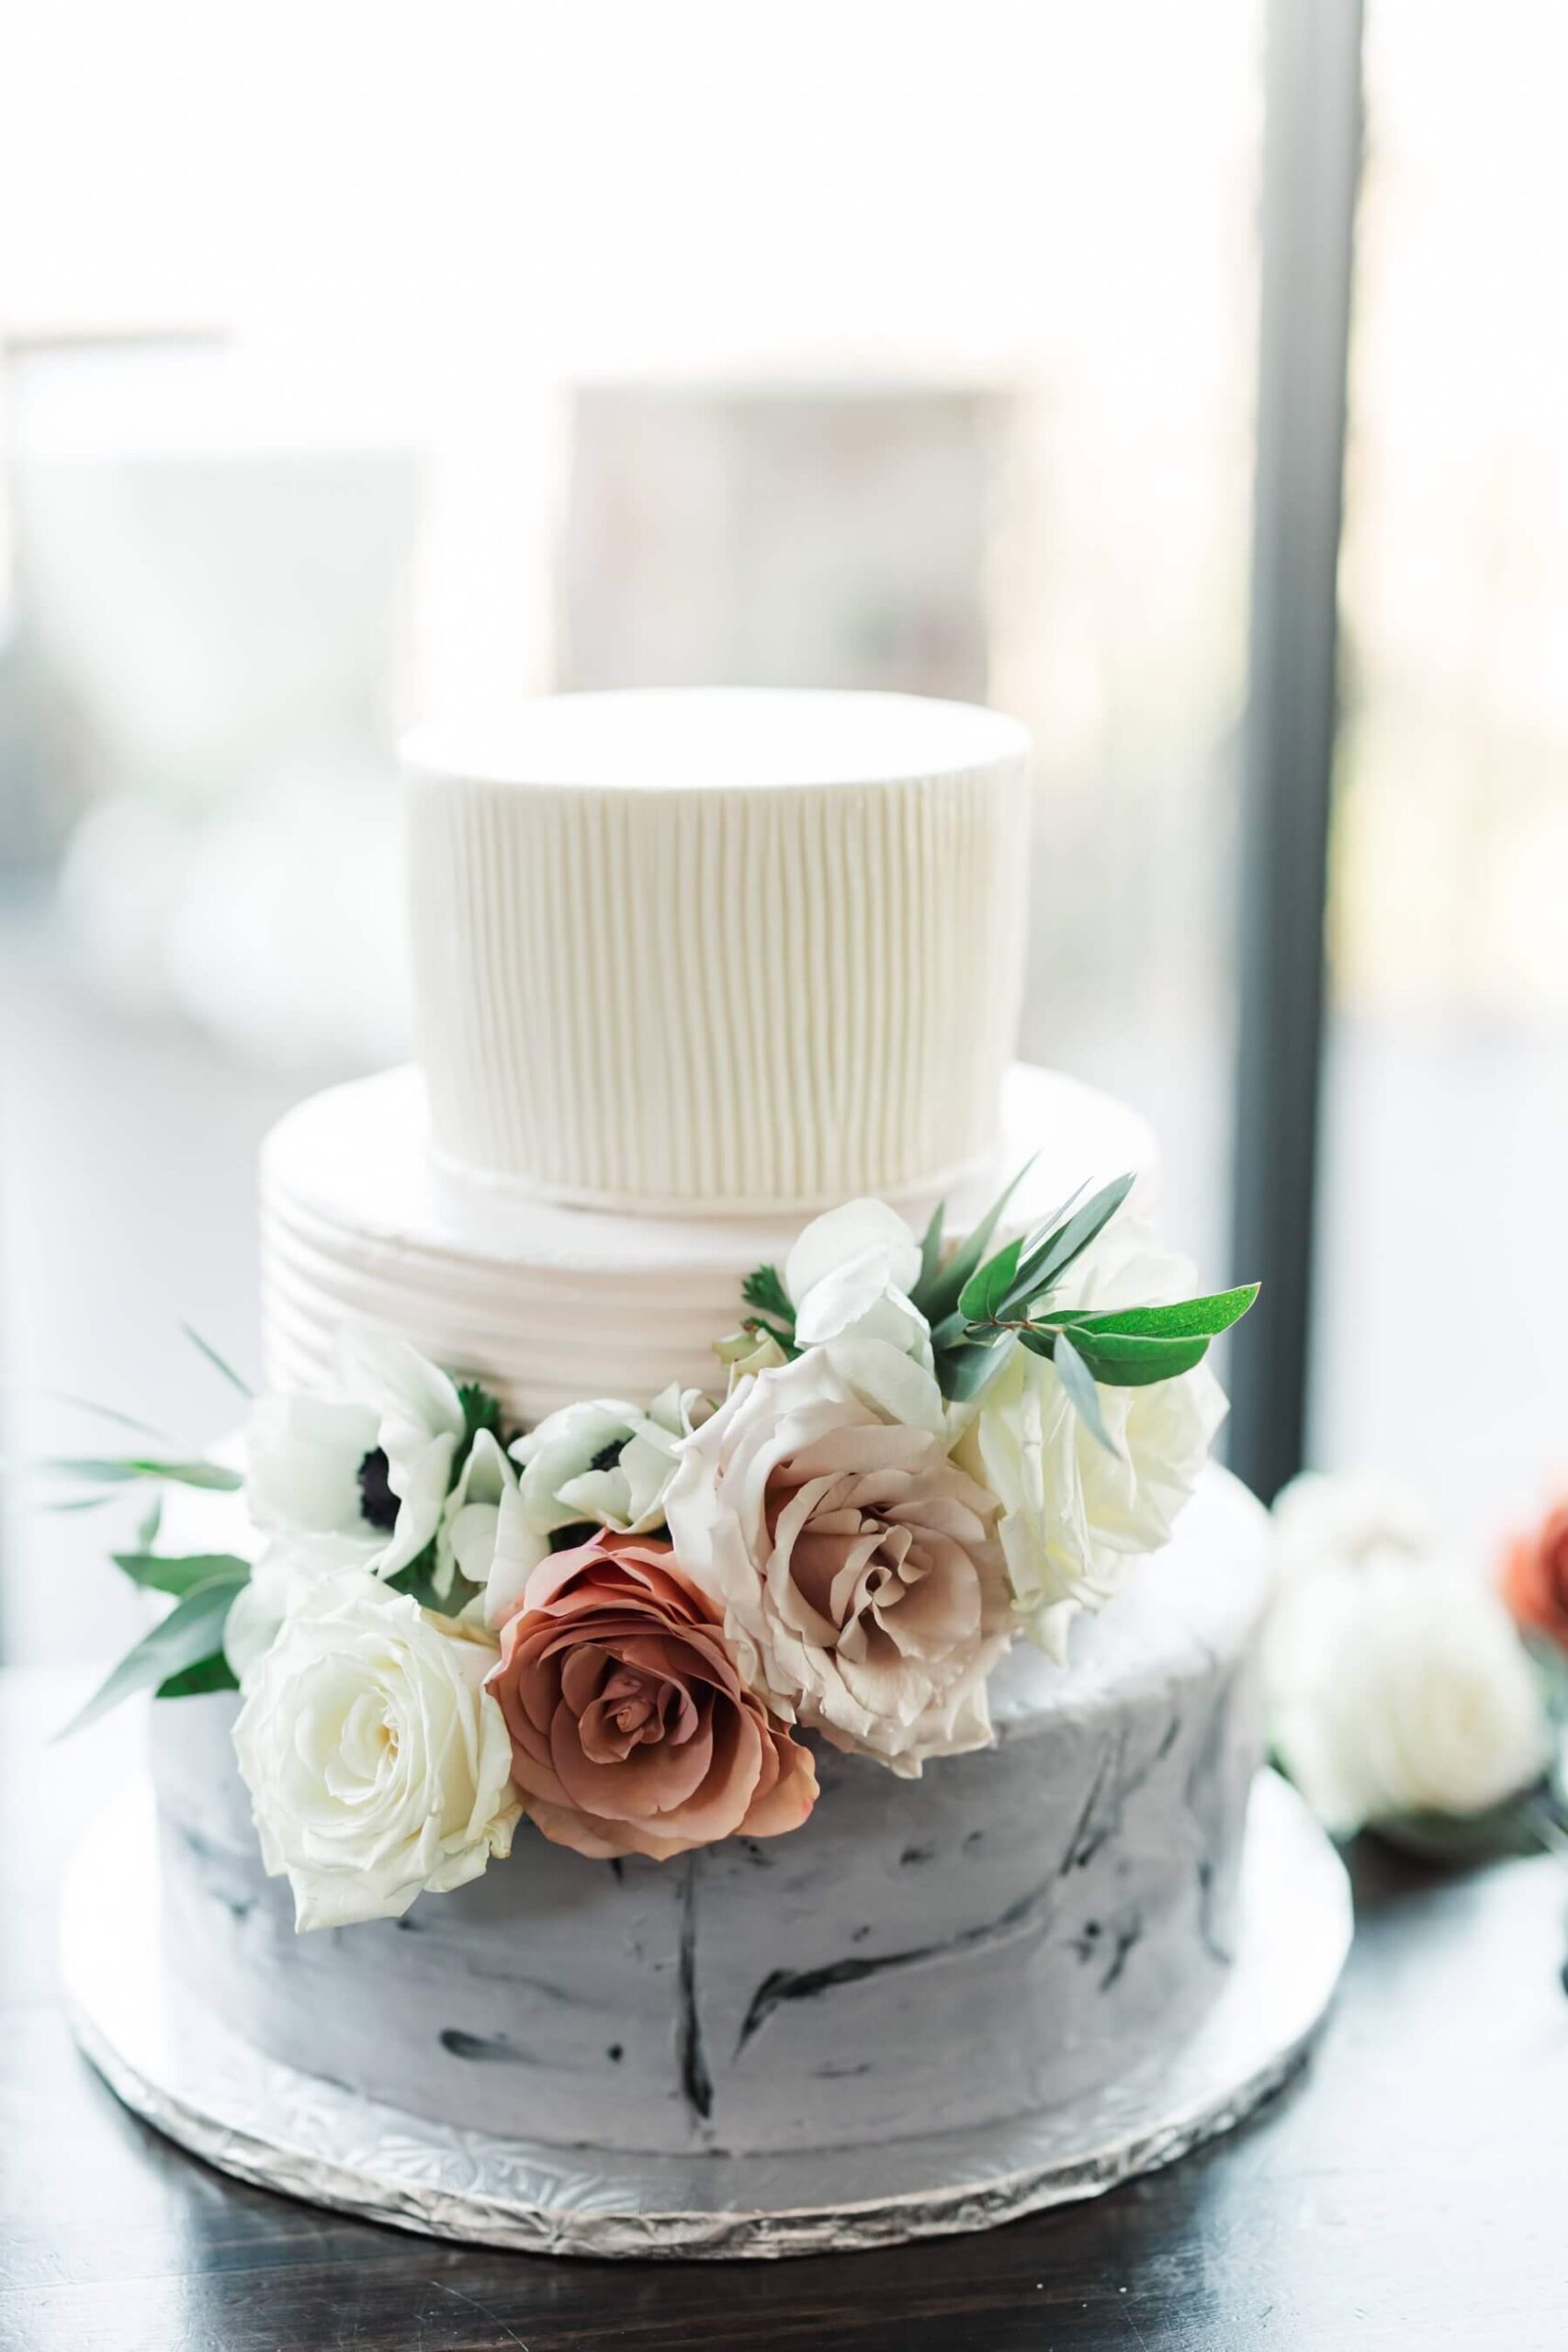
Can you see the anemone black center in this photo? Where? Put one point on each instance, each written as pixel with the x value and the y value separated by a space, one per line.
pixel 608 1455
pixel 377 1500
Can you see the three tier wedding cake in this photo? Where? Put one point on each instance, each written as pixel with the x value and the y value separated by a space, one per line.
pixel 739 1645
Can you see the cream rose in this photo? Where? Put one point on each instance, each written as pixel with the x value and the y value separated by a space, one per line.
pixel 1397 1686
pixel 1074 1515
pixel 858 1570
pixel 377 1764
pixel 1340 1519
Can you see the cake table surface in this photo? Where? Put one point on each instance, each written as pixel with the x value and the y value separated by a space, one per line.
pixel 1406 2190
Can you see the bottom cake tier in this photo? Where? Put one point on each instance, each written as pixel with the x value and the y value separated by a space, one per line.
pixel 1003 1934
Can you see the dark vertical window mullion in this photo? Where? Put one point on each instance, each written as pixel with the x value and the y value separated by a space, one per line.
pixel 1312 157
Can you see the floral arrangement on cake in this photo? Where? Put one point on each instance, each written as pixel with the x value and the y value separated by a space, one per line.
pixel 619 1621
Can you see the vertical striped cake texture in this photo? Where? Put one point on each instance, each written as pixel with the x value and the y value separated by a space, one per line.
pixel 752 997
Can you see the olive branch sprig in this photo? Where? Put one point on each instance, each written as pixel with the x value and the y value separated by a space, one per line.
pixel 975 1302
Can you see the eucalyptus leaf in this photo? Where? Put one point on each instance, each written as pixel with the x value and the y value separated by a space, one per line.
pixel 981 1298
pixel 930 1250
pixel 213 1673
pixel 1082 1395
pixel 124 1472
pixel 938 1297
pixel 1047 1261
pixel 963 1371
pixel 1185 1318
pixel 169 1572
pixel 191 1632
pixel 110 1413
pixel 219 1363
pixel 1124 1361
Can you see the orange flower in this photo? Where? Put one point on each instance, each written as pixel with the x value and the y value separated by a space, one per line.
pixel 632 1732
pixel 1535 1577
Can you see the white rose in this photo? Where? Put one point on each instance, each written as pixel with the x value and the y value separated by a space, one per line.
pixel 604 1463
pixel 1073 1514
pixel 372 1461
pixel 849 1278
pixel 1397 1685
pixel 377 1764
pixel 283 1573
pixel 1328 1518
pixel 858 1570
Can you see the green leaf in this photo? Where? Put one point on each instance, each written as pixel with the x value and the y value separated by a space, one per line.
pixel 166 1572
pixel 149 1523
pixel 103 1472
pixel 1046 1260
pixel 965 1369
pixel 981 1298
pixel 780 1336
pixel 206 1348
pixel 190 1632
pixel 1460 1840
pixel 763 1288
pixel 1186 1318
pixel 1123 1359
pixel 930 1250
pixel 480 1410
pixel 1082 1395
pixel 212 1673
pixel 940 1296
pixel 110 1413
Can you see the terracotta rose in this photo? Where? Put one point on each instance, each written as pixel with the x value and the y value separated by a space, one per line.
pixel 632 1732
pixel 1535 1577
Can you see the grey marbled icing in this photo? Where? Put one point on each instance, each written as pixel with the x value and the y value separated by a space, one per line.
pixel 1008 1931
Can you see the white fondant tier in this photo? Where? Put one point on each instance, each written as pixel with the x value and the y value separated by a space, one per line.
pixel 996 1937
pixel 722 951
pixel 549 1304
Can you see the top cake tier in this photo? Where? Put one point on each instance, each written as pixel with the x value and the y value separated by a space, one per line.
pixel 731 950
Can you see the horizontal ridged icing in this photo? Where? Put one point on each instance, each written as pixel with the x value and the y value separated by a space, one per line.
pixel 725 951
pixel 550 1303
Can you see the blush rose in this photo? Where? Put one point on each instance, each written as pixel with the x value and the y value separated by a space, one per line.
pixel 1535 1577
pixel 632 1732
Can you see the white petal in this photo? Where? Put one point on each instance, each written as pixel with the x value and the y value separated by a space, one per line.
pixel 847 1232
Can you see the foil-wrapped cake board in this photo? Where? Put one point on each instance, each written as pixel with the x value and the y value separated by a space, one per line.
pixel 185 2070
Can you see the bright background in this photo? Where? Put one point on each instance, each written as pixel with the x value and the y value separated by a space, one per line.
pixel 357 360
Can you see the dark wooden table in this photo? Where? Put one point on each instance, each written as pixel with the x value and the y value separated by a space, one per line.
pixel 1410 2190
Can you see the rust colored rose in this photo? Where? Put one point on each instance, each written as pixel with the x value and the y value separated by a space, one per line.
pixel 632 1732
pixel 1535 1577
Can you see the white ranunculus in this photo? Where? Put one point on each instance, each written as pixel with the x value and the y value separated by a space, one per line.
pixel 306 1457
pixel 849 1278
pixel 1073 1514
pixel 1397 1685
pixel 1330 1519
pixel 605 1463
pixel 858 1570
pixel 377 1764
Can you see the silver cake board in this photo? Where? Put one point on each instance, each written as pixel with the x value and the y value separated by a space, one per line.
pixel 192 2077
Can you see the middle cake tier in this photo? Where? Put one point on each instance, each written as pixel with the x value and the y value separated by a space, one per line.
pixel 549 1304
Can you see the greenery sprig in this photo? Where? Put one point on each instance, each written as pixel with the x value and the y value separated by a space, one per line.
pixel 774 1318
pixel 976 1303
